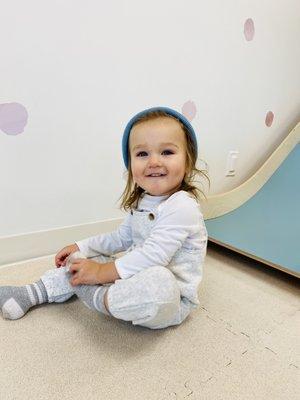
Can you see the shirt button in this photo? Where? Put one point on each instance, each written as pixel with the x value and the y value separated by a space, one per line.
pixel 151 216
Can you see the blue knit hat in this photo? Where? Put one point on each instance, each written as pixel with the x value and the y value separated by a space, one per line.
pixel 125 139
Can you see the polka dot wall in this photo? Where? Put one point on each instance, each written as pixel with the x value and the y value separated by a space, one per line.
pixel 189 109
pixel 14 116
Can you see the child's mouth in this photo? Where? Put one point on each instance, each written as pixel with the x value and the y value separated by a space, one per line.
pixel 156 175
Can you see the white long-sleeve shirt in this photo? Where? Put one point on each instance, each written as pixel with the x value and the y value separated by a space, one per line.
pixel 163 231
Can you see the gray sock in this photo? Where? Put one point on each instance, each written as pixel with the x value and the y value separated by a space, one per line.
pixel 92 296
pixel 15 301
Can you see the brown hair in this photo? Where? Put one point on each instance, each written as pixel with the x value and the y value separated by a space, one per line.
pixel 132 192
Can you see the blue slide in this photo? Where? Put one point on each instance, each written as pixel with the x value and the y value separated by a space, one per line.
pixel 267 226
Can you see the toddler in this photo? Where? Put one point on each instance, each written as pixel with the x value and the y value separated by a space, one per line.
pixel 163 236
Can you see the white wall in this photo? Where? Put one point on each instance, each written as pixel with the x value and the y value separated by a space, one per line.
pixel 82 69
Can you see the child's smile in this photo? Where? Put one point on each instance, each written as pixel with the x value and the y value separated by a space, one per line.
pixel 156 176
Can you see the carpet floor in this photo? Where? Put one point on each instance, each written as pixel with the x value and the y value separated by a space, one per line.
pixel 241 343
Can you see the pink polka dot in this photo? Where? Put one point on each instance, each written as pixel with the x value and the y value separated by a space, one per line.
pixel 13 118
pixel 249 29
pixel 189 110
pixel 269 118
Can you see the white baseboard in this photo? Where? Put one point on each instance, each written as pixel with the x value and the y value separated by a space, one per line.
pixel 37 244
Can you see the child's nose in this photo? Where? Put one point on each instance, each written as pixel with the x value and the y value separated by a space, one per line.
pixel 154 160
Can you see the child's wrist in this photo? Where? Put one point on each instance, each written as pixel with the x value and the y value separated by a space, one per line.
pixel 99 274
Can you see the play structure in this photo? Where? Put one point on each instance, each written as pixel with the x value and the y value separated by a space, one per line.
pixel 261 217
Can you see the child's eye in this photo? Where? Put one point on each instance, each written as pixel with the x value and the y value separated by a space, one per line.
pixel 138 154
pixel 141 152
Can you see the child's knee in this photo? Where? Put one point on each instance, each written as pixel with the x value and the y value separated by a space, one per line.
pixel 165 283
pixel 154 287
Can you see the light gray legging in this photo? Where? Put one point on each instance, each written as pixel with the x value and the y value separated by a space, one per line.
pixel 150 298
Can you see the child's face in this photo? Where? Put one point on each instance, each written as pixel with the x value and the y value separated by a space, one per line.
pixel 150 155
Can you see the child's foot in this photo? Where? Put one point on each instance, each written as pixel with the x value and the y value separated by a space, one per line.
pixel 15 301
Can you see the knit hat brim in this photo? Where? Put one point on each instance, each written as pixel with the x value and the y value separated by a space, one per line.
pixel 167 110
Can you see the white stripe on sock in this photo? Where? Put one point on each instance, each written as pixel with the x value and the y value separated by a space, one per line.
pixel 39 293
pixel 31 295
pixel 94 299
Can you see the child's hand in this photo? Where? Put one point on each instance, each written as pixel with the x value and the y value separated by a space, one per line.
pixel 85 272
pixel 61 256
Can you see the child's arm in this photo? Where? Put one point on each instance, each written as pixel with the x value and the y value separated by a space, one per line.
pixel 108 243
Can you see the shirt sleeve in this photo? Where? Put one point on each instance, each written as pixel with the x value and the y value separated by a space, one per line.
pixel 177 220
pixel 108 243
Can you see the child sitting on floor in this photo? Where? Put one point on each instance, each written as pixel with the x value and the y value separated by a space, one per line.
pixel 155 283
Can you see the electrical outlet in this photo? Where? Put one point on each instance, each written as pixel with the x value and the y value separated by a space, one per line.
pixel 231 162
